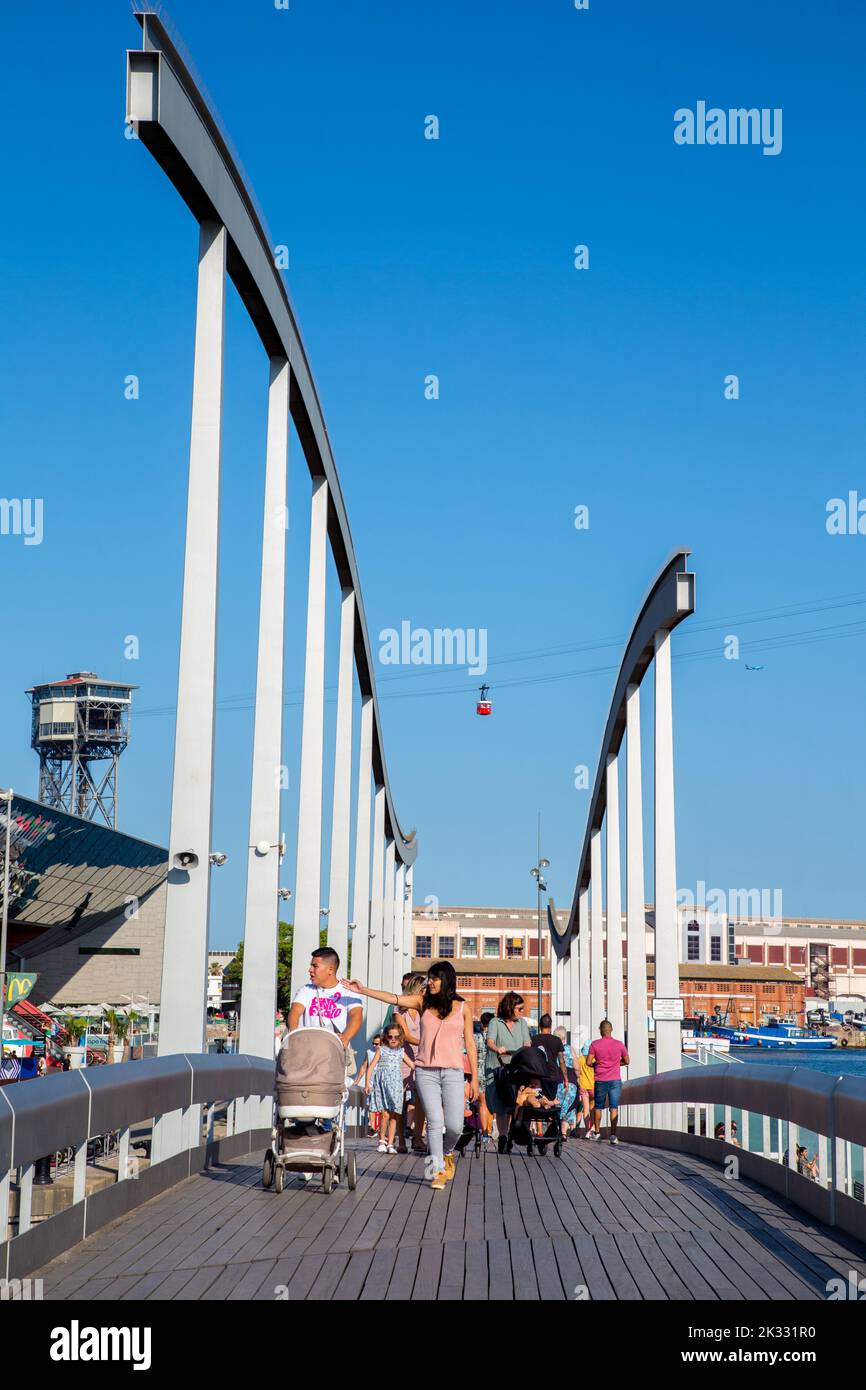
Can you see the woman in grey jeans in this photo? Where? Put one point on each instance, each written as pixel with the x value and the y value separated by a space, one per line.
pixel 446 1033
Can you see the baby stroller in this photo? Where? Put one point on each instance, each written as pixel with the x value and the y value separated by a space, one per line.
pixel 529 1067
pixel 310 1094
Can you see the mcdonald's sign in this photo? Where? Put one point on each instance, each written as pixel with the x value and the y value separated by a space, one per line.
pixel 18 987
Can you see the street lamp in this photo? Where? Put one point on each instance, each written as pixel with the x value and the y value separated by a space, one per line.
pixel 541 884
pixel 5 795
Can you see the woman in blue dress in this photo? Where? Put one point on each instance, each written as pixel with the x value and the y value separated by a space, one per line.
pixel 385 1086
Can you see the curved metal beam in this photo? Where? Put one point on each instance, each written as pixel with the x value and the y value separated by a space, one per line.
pixel 176 124
pixel 671 598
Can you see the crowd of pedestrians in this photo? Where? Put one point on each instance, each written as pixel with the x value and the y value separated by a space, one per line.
pixel 435 1076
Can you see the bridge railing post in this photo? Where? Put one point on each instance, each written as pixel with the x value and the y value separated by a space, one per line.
pixel 261 910
pixel 308 873
pixel 183 996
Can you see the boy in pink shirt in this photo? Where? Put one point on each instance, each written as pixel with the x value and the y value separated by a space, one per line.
pixel 607 1054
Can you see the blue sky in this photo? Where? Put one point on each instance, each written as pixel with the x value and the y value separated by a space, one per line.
pixel 558 387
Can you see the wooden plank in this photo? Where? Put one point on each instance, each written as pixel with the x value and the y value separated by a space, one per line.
pixel 329 1276
pixel 379 1275
pixel 197 1282
pixel 745 1286
pixel 525 1179
pixel 452 1278
pixel 354 1275
pixel 615 1268
pixel 305 1276
pixel 638 1267
pixel 403 1274
pixel 475 1283
pixel 595 1276
pixel 457 1193
pixel 547 1271
pixel 494 1226
pixel 500 1282
pixel 523 1270
pixel 255 1276
pixel 512 1217
pixel 426 1284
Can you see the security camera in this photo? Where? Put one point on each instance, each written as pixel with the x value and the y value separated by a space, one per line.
pixel 185 859
pixel 284 893
pixel 217 859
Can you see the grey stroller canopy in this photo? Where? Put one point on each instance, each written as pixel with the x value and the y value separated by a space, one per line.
pixel 310 1075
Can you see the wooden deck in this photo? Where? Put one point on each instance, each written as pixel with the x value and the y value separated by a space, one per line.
pixel 616 1223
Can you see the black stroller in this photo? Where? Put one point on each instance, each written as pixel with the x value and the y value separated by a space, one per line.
pixel 529 1067
pixel 472 1133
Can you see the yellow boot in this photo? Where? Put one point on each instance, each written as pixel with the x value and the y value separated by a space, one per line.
pixel 438 1183
pixel 449 1167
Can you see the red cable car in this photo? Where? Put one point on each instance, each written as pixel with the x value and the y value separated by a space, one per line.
pixel 484 706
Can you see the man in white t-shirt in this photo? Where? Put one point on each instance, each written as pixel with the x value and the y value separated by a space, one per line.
pixel 324 1002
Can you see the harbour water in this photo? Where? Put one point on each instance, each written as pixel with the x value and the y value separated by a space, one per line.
pixel 840 1061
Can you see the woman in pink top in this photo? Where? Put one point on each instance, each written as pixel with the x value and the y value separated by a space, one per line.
pixel 446 1033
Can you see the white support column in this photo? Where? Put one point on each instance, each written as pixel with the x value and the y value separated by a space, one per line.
pixel 637 1034
pixel 408 942
pixel 596 938
pixel 399 925
pixel 308 876
pixel 375 1010
pixel 261 913
pixel 183 996
pixel 573 966
pixel 613 895
pixel 361 909
pixel 388 919
pixel 667 977
pixel 564 1003
pixel 584 992
pixel 338 892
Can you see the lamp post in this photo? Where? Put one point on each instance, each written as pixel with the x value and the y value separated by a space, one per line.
pixel 7 797
pixel 541 885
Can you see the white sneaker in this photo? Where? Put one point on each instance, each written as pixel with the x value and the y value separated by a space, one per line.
pixel 383 1147
pixel 306 1177
pixel 613 1139
pixel 392 1148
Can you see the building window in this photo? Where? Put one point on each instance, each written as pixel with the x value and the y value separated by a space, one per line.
pixel 446 946
pixel 776 955
pixel 469 946
pixel 533 947
pixel 756 954
pixel 491 945
pixel 769 989
pixel 733 951
pixel 488 981
pixel 424 946
pixel 858 957
pixel 513 982
pixel 716 949
pixel 839 955
pixel 797 955
pixel 694 948
pixel 464 981
pixel 514 947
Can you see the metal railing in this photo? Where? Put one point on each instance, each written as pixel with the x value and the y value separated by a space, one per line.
pixel 800 1132
pixel 183 1113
